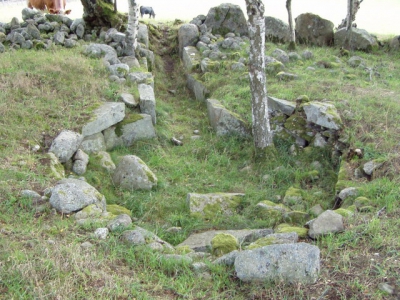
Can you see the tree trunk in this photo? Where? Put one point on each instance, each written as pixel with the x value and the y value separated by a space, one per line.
pixel 258 84
pixel 292 43
pixel 131 32
pixel 100 13
pixel 354 8
pixel 349 21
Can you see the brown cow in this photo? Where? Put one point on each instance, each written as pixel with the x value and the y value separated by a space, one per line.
pixel 53 6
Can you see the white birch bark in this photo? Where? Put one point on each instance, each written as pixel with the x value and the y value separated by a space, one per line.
pixel 258 84
pixel 131 31
pixel 290 17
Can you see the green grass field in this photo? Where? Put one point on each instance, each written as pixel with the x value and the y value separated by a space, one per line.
pixel 40 253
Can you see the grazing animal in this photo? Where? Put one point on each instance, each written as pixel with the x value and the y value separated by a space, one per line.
pixel 147 10
pixel 55 7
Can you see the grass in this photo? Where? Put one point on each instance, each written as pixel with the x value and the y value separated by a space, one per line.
pixel 41 255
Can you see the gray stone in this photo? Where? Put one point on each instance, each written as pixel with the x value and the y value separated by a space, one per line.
pixel 128 99
pixel 197 88
pixel 323 114
pixel 59 38
pixel 106 161
pixel 129 133
pixel 348 192
pixel 71 195
pixel 93 143
pixel 191 58
pixel 201 242
pixel 371 166
pixel 188 35
pixel 284 106
pixel 131 61
pixel 119 222
pixel 133 174
pixel 143 35
pixel 281 56
pixel 81 160
pixel 226 18
pixel 314 30
pixel 276 30
pixel 108 114
pixel 147 101
pixel 327 222
pixel 65 145
pixel 288 263
pixel 121 70
pixel 225 122
pixel 360 39
pixel 101 233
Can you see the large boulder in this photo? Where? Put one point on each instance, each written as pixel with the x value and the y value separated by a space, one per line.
pixel 395 43
pixel 314 30
pixel 225 122
pixel 327 222
pixel 188 35
pixel 65 145
pixel 126 133
pixel 72 195
pixel 226 18
pixel 276 30
pixel 360 39
pixel 290 263
pixel 133 174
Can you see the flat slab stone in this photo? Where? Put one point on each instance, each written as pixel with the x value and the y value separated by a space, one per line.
pixel 108 114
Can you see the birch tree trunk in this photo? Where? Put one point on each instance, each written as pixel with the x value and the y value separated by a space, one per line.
pixel 131 31
pixel 292 43
pixel 349 21
pixel 258 84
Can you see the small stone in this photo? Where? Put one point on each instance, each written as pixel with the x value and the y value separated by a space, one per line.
pixel 87 245
pixel 384 287
pixel 101 233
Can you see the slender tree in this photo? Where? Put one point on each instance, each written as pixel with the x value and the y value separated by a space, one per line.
pixel 258 84
pixel 131 31
pixel 292 43
pixel 349 21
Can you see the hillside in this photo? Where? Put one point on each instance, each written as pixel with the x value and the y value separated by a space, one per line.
pixel 42 252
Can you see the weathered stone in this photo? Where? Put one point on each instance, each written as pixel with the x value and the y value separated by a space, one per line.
pixel 360 39
pixel 147 101
pixel 226 18
pixel 325 223
pixel 290 263
pixel 276 30
pixel 119 222
pixel 225 122
pixel 209 205
pixel 133 174
pixel 65 145
pixel 108 114
pixel 314 30
pixel 71 195
pixel 323 114
pixel 223 243
pixel 284 106
pixel 201 242
pixel 93 143
pixel 188 35
pixel 191 58
pixel 199 90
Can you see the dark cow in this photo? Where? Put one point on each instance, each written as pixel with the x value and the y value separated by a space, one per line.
pixel 147 10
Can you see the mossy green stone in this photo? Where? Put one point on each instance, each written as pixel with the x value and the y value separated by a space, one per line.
pixel 183 250
pixel 116 209
pixel 286 228
pixel 344 212
pixel 362 201
pixel 265 241
pixel 224 243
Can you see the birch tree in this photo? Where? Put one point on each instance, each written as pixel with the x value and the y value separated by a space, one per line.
pixel 258 84
pixel 292 43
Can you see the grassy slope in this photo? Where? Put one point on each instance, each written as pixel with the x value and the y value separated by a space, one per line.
pixel 40 253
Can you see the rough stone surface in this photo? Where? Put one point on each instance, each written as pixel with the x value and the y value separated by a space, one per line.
pixel 314 30
pixel 325 223
pixel 133 174
pixel 288 263
pixel 119 222
pixel 360 39
pixel 276 30
pixel 147 101
pixel 108 114
pixel 226 18
pixel 71 195
pixel 201 242
pixel 323 114
pixel 93 143
pixel 65 145
pixel 191 58
pixel 199 90
pixel 188 35
pixel 225 122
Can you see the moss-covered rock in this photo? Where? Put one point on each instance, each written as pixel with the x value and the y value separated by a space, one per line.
pixel 344 212
pixel 118 210
pixel 296 217
pixel 362 202
pixel 293 196
pixel 285 228
pixel 223 243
